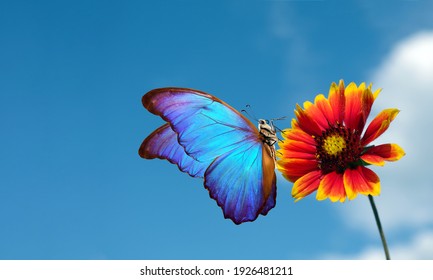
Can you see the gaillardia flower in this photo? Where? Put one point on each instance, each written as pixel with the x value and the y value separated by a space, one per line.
pixel 326 149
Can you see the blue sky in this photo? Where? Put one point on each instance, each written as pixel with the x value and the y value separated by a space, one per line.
pixel 72 74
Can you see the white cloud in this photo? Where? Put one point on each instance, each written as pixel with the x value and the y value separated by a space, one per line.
pixel 419 248
pixel 406 76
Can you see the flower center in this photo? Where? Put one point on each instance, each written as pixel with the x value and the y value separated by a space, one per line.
pixel 338 148
pixel 334 144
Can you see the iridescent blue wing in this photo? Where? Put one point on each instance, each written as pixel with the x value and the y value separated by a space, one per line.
pixel 163 144
pixel 235 180
pixel 240 169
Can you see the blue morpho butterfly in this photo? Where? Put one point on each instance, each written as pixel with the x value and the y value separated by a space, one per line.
pixel 209 139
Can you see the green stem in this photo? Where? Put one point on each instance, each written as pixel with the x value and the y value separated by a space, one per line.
pixel 379 226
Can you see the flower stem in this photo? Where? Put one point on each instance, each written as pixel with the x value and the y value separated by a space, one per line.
pixel 379 226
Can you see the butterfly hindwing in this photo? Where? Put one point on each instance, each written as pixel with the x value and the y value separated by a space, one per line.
pixel 236 181
pixel 269 179
pixel 163 144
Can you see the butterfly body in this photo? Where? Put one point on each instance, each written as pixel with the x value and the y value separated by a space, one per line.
pixel 207 138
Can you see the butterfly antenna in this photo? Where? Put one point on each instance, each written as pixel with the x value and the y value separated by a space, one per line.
pixel 279 119
pixel 250 114
pixel 276 127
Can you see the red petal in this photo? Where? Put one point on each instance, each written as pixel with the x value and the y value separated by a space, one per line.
pixel 379 125
pixel 323 104
pixel 306 122
pixel 361 180
pixel 295 155
pixel 373 159
pixel 332 186
pixel 337 101
pixel 316 114
pixel 367 102
pixel 353 112
pixel 292 169
pixel 296 149
pixel 306 184
pixel 298 134
pixel 377 155
pixel 297 146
